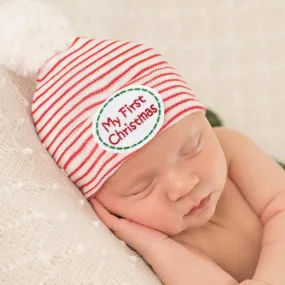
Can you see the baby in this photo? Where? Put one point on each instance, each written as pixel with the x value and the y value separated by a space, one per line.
pixel 198 203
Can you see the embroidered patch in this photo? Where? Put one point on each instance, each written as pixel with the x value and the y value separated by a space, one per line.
pixel 128 119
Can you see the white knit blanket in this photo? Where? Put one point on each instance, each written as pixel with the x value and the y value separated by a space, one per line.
pixel 49 234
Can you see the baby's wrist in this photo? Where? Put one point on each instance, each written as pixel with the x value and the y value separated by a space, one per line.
pixel 156 251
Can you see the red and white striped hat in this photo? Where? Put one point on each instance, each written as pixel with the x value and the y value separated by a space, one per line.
pixel 99 101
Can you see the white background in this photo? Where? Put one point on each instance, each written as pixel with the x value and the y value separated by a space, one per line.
pixel 232 53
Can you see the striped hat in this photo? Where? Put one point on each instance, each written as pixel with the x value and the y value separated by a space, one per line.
pixel 99 101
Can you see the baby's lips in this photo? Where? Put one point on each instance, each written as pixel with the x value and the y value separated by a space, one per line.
pixel 201 203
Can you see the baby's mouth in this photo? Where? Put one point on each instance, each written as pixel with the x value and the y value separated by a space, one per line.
pixel 201 205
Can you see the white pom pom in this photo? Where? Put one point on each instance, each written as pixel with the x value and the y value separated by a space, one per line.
pixel 31 31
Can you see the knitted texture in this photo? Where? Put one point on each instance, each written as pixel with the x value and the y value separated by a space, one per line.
pixel 73 84
pixel 49 233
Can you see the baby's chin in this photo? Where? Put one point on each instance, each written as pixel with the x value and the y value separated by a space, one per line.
pixel 189 224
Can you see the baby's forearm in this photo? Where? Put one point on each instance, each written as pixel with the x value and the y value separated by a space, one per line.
pixel 271 264
pixel 176 265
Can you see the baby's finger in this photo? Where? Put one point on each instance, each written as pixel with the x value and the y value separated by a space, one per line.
pixel 109 220
pixel 112 222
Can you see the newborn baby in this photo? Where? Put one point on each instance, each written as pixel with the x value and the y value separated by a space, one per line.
pixel 133 137
pixel 190 183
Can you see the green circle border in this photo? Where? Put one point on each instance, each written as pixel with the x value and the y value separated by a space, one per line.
pixel 110 100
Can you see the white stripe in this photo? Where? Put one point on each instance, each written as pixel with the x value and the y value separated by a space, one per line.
pixel 151 77
pixel 82 84
pixel 170 102
pixel 179 118
pixel 78 160
pixel 68 141
pixel 95 168
pixel 101 183
pixel 164 68
pixel 77 146
pixel 54 60
pixel 107 167
pixel 70 64
pixel 85 104
pixel 72 72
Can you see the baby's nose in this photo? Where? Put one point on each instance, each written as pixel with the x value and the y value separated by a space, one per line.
pixel 182 186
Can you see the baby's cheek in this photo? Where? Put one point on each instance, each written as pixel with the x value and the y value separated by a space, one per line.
pixel 164 221
pixel 214 166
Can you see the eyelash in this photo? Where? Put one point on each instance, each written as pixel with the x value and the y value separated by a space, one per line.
pixel 144 189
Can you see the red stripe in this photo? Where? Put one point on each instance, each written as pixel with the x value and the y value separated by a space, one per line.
pixel 177 104
pixel 71 121
pixel 134 79
pixel 73 142
pixel 91 167
pixel 77 73
pixel 181 113
pixel 67 136
pixel 90 154
pixel 177 94
pixel 167 110
pixel 153 71
pixel 100 170
pixel 97 91
pixel 84 161
pixel 174 86
pixel 43 78
pixel 40 69
pixel 61 70
pixel 109 160
pixel 161 75
pixel 77 152
pixel 148 68
pixel 152 79
pixel 89 83
pixel 170 80
pixel 92 151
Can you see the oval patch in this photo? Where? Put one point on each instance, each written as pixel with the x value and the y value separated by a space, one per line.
pixel 128 119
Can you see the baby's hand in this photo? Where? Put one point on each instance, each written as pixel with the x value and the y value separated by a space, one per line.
pixel 139 237
pixel 172 262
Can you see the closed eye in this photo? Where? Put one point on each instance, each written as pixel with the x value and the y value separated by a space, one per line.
pixel 194 149
pixel 148 187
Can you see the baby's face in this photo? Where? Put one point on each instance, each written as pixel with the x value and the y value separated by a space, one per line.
pixel 160 183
